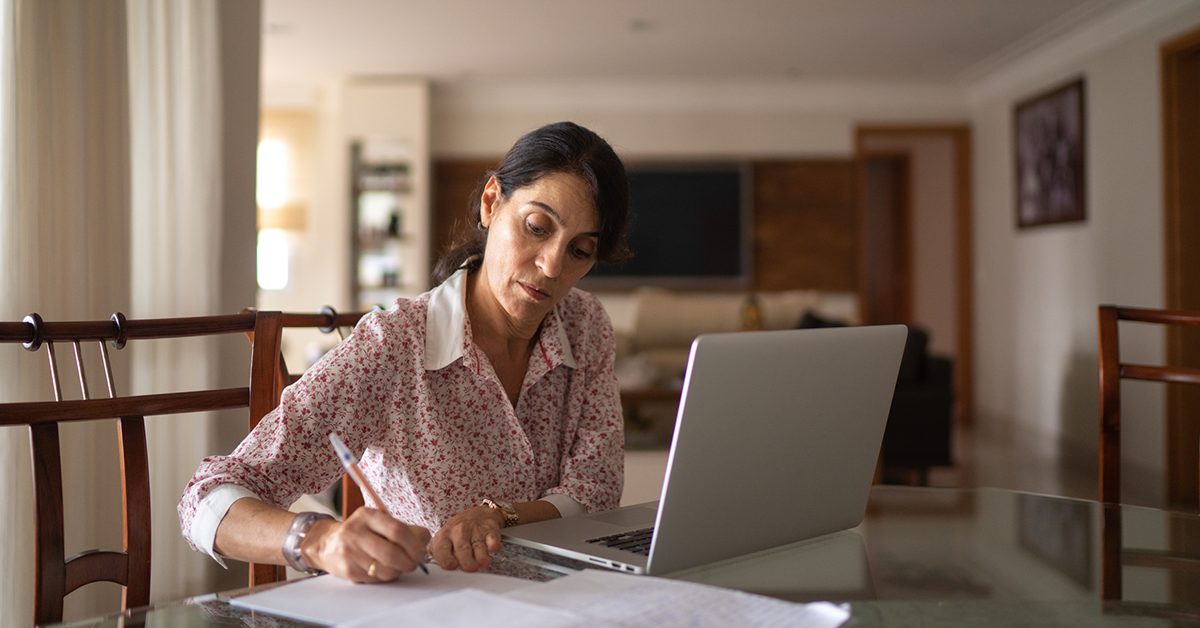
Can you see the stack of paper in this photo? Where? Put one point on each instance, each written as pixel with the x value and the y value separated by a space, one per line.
pixel 328 600
pixel 588 598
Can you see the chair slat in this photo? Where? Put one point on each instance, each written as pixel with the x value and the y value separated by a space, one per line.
pixel 96 566
pixel 1161 559
pixel 1173 375
pixel 1166 317
pixel 54 371
pixel 42 412
pixel 135 499
pixel 299 319
pixel 1110 407
pixel 326 320
pixel 266 380
pixel 50 572
pixel 80 370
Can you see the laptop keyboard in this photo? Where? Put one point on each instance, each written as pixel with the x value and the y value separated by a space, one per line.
pixel 637 541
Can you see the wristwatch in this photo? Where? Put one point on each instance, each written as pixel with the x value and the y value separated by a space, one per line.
pixel 295 535
pixel 511 517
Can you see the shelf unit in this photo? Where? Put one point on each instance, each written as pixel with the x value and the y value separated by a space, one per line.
pixel 383 207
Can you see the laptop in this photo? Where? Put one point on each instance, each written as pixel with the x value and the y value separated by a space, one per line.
pixel 775 442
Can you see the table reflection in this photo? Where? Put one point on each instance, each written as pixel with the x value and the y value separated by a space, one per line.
pixel 930 557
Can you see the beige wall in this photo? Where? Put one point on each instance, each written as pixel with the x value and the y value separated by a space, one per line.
pixel 688 120
pixel 1036 290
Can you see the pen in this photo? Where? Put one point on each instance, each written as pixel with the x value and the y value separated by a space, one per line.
pixel 350 464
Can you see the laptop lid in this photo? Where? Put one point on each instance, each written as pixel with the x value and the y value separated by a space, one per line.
pixel 775 441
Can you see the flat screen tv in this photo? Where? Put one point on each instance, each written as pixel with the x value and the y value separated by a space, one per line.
pixel 691 229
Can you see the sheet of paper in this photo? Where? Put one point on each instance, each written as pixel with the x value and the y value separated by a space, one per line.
pixel 613 598
pixel 330 600
pixel 472 607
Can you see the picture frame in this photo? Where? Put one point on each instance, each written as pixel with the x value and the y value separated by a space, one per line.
pixel 1049 135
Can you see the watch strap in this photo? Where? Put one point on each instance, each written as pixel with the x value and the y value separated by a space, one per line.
pixel 295 536
pixel 510 514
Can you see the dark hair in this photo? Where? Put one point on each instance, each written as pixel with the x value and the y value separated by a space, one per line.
pixel 562 147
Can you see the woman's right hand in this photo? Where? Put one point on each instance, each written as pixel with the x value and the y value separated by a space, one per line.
pixel 348 549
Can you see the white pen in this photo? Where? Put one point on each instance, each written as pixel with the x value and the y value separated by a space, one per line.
pixel 350 464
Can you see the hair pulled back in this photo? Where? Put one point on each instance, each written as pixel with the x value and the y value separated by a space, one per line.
pixel 562 147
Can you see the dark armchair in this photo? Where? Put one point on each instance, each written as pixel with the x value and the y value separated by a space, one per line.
pixel 919 428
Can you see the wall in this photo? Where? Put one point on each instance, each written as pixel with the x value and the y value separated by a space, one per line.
pixel 1036 290
pixel 480 119
pixel 687 119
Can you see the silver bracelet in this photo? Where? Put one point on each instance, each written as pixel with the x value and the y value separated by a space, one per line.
pixel 295 535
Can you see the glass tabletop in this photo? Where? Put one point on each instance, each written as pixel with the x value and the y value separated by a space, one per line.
pixel 922 556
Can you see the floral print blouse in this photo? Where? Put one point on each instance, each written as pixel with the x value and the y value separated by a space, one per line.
pixel 413 394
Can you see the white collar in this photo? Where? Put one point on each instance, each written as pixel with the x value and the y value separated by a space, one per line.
pixel 446 325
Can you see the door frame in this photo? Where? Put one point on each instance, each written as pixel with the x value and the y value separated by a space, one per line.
pixel 960 137
pixel 901 237
pixel 1182 289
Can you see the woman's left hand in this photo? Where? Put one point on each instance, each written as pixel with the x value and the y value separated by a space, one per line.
pixel 468 539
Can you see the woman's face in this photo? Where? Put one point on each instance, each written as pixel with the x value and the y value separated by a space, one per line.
pixel 542 239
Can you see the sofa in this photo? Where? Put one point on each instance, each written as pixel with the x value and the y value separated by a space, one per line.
pixel 653 351
pixel 919 428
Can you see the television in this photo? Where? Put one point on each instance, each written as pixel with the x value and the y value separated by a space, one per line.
pixel 691 228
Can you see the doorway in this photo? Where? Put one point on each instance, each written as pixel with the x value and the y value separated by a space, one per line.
pixel 1180 63
pixel 885 259
pixel 930 231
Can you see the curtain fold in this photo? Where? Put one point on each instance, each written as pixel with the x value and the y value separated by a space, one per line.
pixel 113 197
pixel 64 241
pixel 175 103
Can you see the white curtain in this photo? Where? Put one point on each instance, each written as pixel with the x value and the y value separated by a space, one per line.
pixel 115 195
pixel 175 89
pixel 64 224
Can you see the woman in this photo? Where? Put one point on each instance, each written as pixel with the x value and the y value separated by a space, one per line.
pixel 486 402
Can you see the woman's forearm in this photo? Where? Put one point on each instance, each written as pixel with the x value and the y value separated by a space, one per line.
pixel 538 510
pixel 253 531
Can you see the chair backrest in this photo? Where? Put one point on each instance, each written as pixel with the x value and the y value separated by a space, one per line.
pixel 56 576
pixel 1112 371
pixel 327 320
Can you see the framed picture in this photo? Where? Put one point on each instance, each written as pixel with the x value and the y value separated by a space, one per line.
pixel 1049 135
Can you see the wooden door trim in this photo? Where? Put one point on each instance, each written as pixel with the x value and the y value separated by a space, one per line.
pixel 1180 463
pixel 960 136
pixel 904 309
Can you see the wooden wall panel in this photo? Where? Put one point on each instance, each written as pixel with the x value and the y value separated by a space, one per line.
pixel 454 183
pixel 805 219
pixel 805 225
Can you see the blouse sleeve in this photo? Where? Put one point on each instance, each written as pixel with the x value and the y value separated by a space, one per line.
pixel 593 469
pixel 288 454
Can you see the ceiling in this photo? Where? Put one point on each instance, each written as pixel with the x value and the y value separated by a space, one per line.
pixel 309 41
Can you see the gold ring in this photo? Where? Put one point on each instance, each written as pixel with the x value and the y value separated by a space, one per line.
pixel 371 571
pixel 478 541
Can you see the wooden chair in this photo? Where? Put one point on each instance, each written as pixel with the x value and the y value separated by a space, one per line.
pixel 54 575
pixel 327 320
pixel 1114 555
pixel 1112 371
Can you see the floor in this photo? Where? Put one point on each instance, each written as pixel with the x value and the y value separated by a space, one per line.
pixel 981 460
